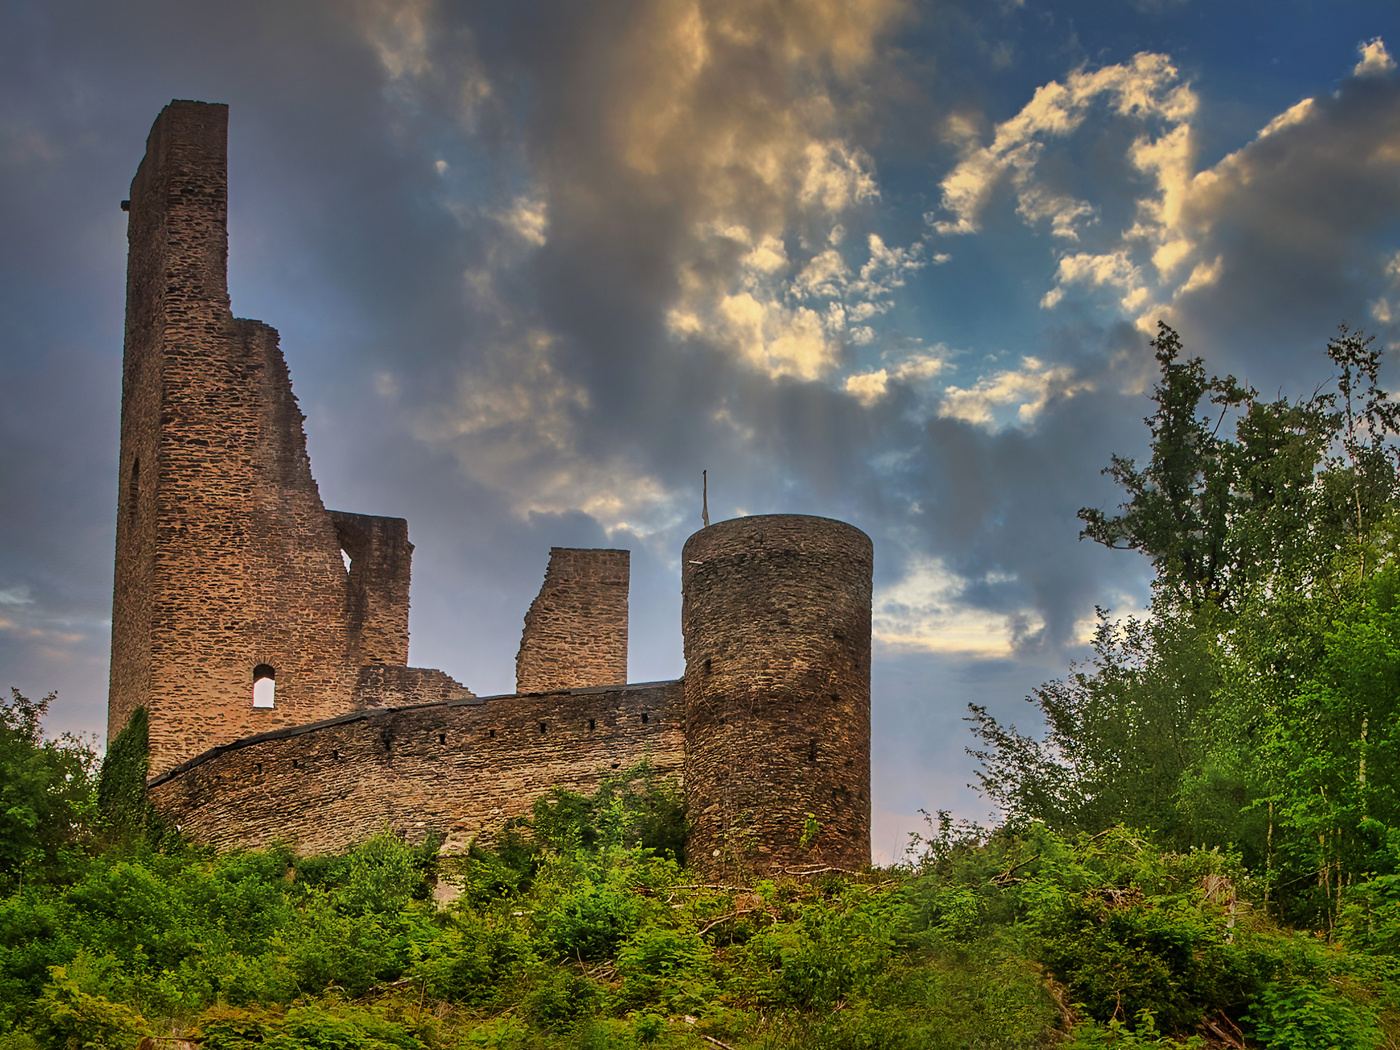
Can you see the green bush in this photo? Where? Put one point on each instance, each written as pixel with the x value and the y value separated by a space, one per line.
pixel 660 966
pixel 1299 1015
pixel 69 1018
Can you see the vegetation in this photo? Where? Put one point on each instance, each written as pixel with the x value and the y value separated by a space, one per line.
pixel 1201 850
pixel 1257 708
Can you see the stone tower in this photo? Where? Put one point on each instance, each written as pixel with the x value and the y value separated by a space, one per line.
pixel 233 611
pixel 776 618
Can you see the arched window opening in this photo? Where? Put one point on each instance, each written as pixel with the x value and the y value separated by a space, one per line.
pixel 264 686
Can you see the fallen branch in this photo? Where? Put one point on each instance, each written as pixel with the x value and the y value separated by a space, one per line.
pixel 724 918
pixel 1234 1038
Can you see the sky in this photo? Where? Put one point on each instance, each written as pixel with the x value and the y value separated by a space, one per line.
pixel 538 265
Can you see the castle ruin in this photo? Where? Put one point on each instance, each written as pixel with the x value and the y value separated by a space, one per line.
pixel 267 637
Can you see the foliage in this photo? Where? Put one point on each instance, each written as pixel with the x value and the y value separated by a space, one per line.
pixel 1305 1016
pixel 121 783
pixel 1000 939
pixel 1217 515
pixel 46 804
pixel 1119 736
pixel 1255 708
pixel 73 1019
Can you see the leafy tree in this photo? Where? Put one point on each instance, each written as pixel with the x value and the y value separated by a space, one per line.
pixel 1255 707
pixel 1120 733
pixel 46 793
pixel 1179 504
pixel 1216 515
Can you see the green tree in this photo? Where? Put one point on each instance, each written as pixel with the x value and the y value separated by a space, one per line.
pixel 1218 515
pixel 46 793
pixel 1120 733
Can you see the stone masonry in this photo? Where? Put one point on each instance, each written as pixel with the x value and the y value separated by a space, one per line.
pixel 775 615
pixel 229 568
pixel 576 629
pixel 458 770
pixel 227 562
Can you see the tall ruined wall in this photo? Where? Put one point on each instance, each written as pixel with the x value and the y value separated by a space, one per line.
pixel 226 558
pixel 776 618
pixel 576 629
pixel 381 564
pixel 459 769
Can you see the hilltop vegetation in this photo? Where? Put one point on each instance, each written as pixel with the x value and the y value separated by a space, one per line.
pixel 1202 850
pixel 577 934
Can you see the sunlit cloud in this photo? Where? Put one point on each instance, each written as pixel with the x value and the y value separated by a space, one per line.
pixel 1169 251
pixel 1028 389
pixel 529 220
pixel 925 610
pixel 1375 59
pixel 913 369
pixel 1145 89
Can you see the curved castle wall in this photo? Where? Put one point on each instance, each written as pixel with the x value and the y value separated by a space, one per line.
pixel 458 769
pixel 776 618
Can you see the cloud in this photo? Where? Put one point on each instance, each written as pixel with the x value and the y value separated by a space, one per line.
pixel 1266 232
pixel 915 369
pixel 1029 388
pixel 515 430
pixel 1375 59
pixel 1144 90
pixel 924 610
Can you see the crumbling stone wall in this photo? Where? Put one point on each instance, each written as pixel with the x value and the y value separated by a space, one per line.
pixel 226 558
pixel 386 685
pixel 381 564
pixel 776 618
pixel 459 769
pixel 576 628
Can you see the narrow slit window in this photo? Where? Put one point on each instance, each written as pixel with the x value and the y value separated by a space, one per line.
pixel 264 686
pixel 133 492
pixel 345 557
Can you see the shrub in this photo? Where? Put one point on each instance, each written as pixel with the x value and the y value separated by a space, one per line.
pixel 1299 1015
pixel 69 1018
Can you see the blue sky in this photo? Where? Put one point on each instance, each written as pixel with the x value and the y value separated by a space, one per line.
pixel 538 265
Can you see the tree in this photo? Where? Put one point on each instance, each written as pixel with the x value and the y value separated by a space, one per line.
pixel 1217 515
pixel 1256 707
pixel 46 792
pixel 1120 732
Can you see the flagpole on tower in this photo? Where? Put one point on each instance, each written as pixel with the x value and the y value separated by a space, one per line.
pixel 704 499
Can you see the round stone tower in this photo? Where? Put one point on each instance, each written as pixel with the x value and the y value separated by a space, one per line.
pixel 776 617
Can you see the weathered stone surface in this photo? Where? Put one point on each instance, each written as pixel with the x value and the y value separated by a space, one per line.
pixel 576 628
pixel 776 618
pixel 376 613
pixel 459 769
pixel 386 685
